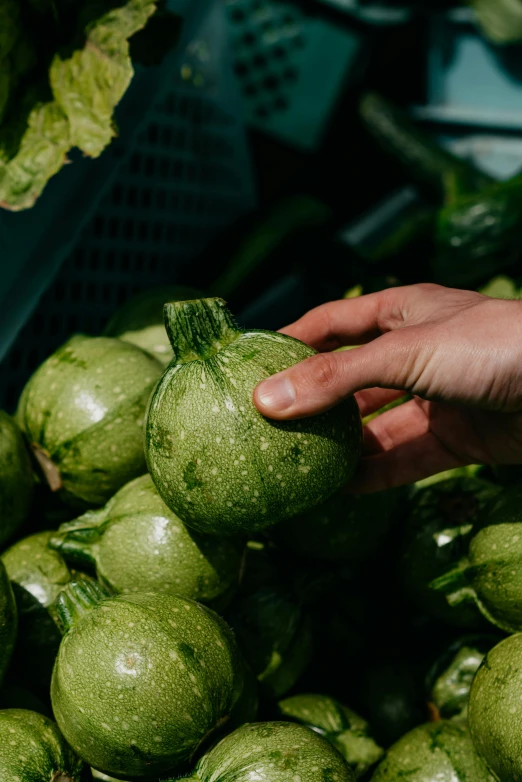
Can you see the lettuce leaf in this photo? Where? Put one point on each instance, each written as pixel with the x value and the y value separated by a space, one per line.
pixel 84 88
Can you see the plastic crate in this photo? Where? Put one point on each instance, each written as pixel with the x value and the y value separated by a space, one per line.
pixel 291 66
pixel 134 218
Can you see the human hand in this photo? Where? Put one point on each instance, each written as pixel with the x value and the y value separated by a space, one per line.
pixel 458 352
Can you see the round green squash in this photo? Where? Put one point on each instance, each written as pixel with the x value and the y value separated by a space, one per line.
pixel 215 460
pixel 495 706
pixel 345 527
pixel 140 320
pixel 8 621
pixel 343 728
pixel 491 574
pixel 38 574
pixel 137 544
pixel 272 752
pixel 436 539
pixel 32 749
pixel 16 478
pixel 450 678
pixel 141 680
pixel 436 752
pixel 83 412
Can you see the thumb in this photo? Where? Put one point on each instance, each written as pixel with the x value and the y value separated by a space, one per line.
pixel 322 381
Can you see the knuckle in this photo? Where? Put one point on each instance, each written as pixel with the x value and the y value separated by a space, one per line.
pixel 324 371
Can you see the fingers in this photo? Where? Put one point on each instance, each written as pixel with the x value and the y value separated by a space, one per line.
pixel 395 427
pixel 409 462
pixel 372 399
pixel 323 380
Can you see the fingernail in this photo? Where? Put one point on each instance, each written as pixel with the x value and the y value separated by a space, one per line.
pixel 276 393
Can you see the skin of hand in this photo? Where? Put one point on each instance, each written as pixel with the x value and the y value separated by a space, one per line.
pixel 458 353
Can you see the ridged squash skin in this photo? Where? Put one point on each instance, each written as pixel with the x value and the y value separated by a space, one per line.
pixel 140 320
pixel 32 749
pixel 343 728
pixel 16 478
pixel 8 621
pixel 141 680
pixel 441 751
pixel 137 544
pixel 215 460
pixel 83 412
pixel 272 752
pixel 495 706
pixel 38 574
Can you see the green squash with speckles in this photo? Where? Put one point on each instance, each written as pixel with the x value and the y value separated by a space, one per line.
pixel 38 574
pixel 343 728
pixel 436 539
pixel 495 707
pixel 436 752
pixel 83 412
pixel 345 527
pixel 8 621
pixel 215 460
pixel 272 752
pixel 137 544
pixel 490 576
pixel 450 678
pixel 140 320
pixel 32 749
pixel 141 680
pixel 16 478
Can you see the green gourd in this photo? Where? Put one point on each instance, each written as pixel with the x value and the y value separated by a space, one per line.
pixel 450 678
pixel 272 752
pixel 140 320
pixel 16 478
pixel 346 730
pixel 495 706
pixel 215 460
pixel 8 621
pixel 436 539
pixel 83 412
pixel 345 527
pixel 137 544
pixel 490 576
pixel 32 749
pixel 141 680
pixel 38 574
pixel 441 751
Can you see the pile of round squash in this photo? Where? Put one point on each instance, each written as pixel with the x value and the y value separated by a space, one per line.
pixel 186 592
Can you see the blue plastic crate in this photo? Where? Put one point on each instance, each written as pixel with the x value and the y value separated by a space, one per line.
pixel 178 174
pixel 291 66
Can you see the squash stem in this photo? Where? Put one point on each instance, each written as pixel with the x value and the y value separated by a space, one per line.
pixel 75 600
pixel 76 540
pixel 198 329
pixel 49 469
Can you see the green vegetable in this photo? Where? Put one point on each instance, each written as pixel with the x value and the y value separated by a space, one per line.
pixel 450 679
pixel 439 751
pixel 140 320
pixel 16 478
pixel 83 71
pixel 272 752
pixel 494 709
pixel 141 680
pixel 136 544
pixel 215 460
pixel 500 20
pixel 38 575
pixel 501 287
pixel 436 539
pixel 83 412
pixel 425 161
pixel 478 234
pixel 345 527
pixel 491 575
pixel 341 726
pixel 8 621
pixel 32 749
